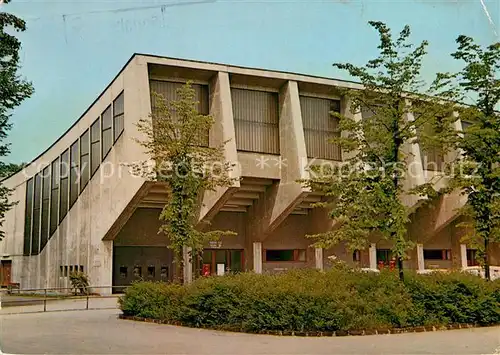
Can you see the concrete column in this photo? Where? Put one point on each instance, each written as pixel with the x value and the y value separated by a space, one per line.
pixel 221 134
pixel 318 256
pixel 455 154
pixel 188 265
pixel 348 111
pixel 415 174
pixel 373 256
pixel 257 257
pixel 463 255
pixel 293 152
pixel 420 257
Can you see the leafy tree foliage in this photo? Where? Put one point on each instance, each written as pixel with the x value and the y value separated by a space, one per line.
pixel 478 174
pixel 368 190
pixel 13 91
pixel 175 141
pixel 7 169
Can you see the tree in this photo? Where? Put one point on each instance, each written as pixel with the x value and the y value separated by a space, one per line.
pixel 478 173
pixel 13 91
pixel 8 169
pixel 367 191
pixel 176 143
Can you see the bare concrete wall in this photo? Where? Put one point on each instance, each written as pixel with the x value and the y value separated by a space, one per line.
pixel 78 239
pixel 142 230
pixel 289 235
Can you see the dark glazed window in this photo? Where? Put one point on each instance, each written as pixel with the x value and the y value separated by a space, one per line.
pixel 286 255
pixel 28 214
pixel 137 271
pixel 74 173
pixel 35 240
pixel 44 237
pixel 169 92
pixel 256 117
pixel 437 254
pixel 319 126
pixel 151 271
pixel 118 116
pixel 472 257
pixel 95 146
pixel 84 159
pixel 54 197
pixel 107 134
pixel 64 186
pixel 123 272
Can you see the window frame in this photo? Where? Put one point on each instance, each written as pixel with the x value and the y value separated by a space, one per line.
pixel 45 209
pixel 274 125
pixel 95 141
pixel 106 130
pixel 64 178
pixel 335 104
pixel 74 173
pixel 28 209
pixel 118 116
pixel 36 229
pixel 84 180
pixel 445 254
pixel 54 200
pixel 295 255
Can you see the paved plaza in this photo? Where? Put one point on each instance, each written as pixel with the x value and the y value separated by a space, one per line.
pixel 100 332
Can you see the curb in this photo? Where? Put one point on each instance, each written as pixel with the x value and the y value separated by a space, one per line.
pixel 338 333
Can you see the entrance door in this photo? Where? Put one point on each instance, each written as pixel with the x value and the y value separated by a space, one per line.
pixel 5 272
pixel 221 261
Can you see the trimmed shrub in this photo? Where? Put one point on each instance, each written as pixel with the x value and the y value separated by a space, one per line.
pixel 79 282
pixel 309 300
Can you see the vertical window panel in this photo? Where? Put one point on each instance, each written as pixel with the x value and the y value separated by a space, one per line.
pixel 54 197
pixel 44 228
pixel 35 240
pixel 169 91
pixel 256 118
pixel 74 172
pixel 64 185
pixel 320 126
pixel 107 133
pixel 118 116
pixel 95 146
pixel 432 158
pixel 84 159
pixel 28 217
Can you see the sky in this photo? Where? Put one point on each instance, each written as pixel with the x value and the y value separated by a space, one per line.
pixel 73 49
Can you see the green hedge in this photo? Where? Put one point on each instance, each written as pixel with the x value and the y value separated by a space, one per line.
pixel 309 300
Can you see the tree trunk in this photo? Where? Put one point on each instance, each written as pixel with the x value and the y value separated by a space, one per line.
pixel 179 267
pixel 400 269
pixel 486 257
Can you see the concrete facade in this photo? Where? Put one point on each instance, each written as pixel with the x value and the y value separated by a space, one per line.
pixel 270 212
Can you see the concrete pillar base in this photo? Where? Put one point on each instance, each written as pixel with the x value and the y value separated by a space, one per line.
pixel 373 256
pixel 257 257
pixel 318 256
pixel 463 255
pixel 420 257
pixel 188 265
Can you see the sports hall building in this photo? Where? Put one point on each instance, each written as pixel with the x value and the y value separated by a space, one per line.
pixel 80 208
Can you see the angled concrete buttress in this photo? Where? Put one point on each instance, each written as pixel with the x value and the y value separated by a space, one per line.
pixel 282 196
pixel 222 133
pixel 415 173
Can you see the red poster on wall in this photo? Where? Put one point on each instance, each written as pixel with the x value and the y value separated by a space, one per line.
pixel 205 271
